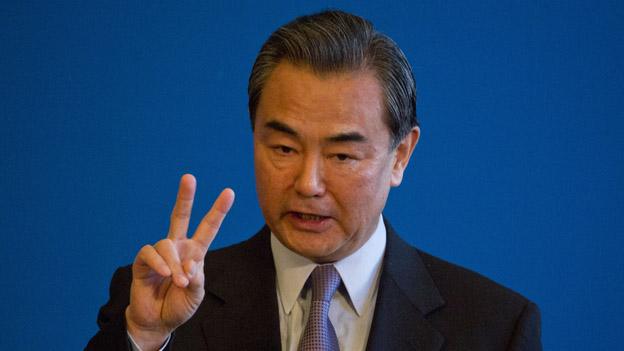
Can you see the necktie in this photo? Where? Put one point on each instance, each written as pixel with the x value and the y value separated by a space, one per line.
pixel 319 333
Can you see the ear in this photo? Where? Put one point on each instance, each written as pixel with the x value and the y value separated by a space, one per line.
pixel 402 155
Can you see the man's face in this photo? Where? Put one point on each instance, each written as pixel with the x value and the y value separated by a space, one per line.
pixel 323 162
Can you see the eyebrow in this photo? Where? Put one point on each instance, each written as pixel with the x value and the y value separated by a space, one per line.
pixel 338 138
pixel 347 137
pixel 281 127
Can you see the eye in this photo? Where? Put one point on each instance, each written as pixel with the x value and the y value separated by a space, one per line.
pixel 283 150
pixel 343 157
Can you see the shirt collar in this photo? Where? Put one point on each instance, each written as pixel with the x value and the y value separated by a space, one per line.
pixel 359 271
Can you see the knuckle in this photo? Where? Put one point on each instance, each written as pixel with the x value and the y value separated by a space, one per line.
pixel 213 225
pixel 214 221
pixel 221 212
pixel 163 243
pixel 179 213
pixel 145 251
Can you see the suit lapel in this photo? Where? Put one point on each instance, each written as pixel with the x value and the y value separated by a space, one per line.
pixel 240 309
pixel 406 295
pixel 244 315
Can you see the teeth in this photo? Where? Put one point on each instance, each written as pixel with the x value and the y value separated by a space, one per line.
pixel 309 217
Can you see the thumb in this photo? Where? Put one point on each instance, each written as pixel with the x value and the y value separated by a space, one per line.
pixel 195 273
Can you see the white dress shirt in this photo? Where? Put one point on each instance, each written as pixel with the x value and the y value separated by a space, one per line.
pixel 352 306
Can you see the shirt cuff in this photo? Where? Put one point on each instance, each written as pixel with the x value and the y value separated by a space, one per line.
pixel 136 347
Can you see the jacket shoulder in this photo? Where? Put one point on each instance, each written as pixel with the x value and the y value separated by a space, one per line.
pixel 455 281
pixel 481 312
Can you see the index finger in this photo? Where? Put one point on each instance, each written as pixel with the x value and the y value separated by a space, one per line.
pixel 210 224
pixel 181 214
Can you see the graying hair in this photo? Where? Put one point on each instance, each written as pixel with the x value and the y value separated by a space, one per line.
pixel 335 42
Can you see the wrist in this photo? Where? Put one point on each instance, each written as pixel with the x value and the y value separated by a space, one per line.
pixel 146 339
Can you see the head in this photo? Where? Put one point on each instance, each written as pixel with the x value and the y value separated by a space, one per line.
pixel 338 42
pixel 332 106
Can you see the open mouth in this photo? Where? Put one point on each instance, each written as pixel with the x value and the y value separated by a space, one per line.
pixel 308 216
pixel 309 222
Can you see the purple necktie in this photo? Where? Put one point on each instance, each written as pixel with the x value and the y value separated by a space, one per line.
pixel 319 333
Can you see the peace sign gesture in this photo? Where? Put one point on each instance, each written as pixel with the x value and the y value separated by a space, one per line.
pixel 168 277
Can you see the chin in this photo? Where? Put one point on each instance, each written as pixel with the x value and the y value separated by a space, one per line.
pixel 307 245
pixel 319 252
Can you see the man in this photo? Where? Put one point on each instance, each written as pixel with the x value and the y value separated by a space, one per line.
pixel 332 106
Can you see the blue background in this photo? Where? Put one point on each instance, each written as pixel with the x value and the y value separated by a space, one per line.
pixel 519 173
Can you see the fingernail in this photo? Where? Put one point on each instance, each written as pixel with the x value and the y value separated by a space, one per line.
pixel 183 281
pixel 193 269
pixel 166 271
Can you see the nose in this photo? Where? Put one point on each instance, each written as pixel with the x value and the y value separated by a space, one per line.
pixel 310 182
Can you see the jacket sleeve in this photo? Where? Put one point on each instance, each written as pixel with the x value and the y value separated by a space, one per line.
pixel 527 334
pixel 111 319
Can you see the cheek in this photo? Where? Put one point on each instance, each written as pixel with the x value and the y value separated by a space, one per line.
pixel 271 181
pixel 263 184
pixel 357 191
pixel 364 177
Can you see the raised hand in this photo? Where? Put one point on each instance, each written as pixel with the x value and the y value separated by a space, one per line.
pixel 168 277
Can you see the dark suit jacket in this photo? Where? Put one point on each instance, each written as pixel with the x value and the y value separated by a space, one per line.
pixel 423 304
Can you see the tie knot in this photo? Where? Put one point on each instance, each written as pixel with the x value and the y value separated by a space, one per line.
pixel 325 281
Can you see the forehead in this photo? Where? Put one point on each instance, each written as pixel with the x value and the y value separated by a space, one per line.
pixel 333 100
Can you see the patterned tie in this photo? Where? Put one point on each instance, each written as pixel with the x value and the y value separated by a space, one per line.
pixel 319 333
